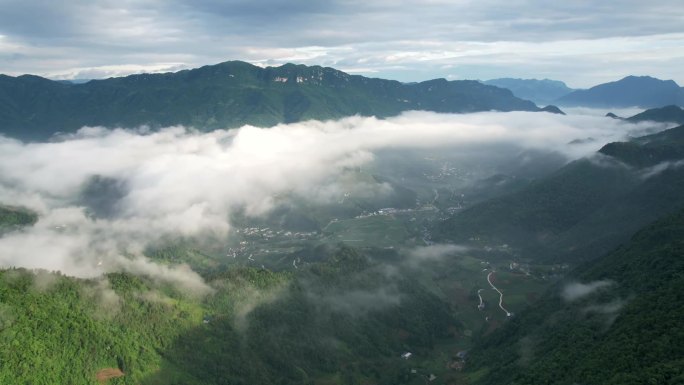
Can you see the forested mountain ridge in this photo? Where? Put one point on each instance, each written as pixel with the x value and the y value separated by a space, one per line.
pixel 616 320
pixel 230 94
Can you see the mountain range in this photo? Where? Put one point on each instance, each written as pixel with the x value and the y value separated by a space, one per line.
pixel 234 93
pixel 542 92
pixel 227 95
pixel 631 91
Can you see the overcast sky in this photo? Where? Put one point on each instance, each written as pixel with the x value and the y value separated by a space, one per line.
pixel 581 42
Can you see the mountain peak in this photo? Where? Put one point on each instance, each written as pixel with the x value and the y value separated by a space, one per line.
pixel 630 91
pixel 646 80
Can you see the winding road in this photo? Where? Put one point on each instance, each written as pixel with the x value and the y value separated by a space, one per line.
pixel 489 276
pixel 481 305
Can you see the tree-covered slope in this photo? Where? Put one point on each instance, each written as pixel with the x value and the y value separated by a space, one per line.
pixel 617 320
pixel 15 217
pixel 229 95
pixel 649 150
pixel 586 208
pixel 341 321
pixel 57 330
pixel 337 321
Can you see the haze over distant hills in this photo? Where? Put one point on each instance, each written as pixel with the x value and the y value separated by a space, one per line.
pixel 631 91
pixel 542 92
pixel 228 95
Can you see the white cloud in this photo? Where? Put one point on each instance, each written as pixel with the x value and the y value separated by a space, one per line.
pixel 179 182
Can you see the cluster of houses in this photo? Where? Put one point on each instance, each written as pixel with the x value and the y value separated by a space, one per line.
pixel 445 172
pixel 268 233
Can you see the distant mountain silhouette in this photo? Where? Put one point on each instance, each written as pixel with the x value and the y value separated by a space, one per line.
pixel 227 95
pixel 632 91
pixel 539 91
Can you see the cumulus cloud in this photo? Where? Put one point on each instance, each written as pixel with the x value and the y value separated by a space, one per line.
pixel 577 290
pixel 103 196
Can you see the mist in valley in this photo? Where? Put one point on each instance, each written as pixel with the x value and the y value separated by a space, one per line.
pixel 104 196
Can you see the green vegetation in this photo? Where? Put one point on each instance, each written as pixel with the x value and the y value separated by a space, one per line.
pixel 15 217
pixel 534 218
pixel 228 95
pixel 627 333
pixel 56 329
pixel 342 320
pixel 649 150
pixel 586 208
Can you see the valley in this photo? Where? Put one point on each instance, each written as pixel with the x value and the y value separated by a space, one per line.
pixel 409 247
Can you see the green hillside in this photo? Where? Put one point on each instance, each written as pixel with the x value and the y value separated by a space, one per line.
pixel 628 332
pixel 15 217
pixel 339 321
pixel 584 209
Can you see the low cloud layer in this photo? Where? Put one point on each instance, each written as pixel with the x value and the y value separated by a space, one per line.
pixel 575 291
pixel 104 195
